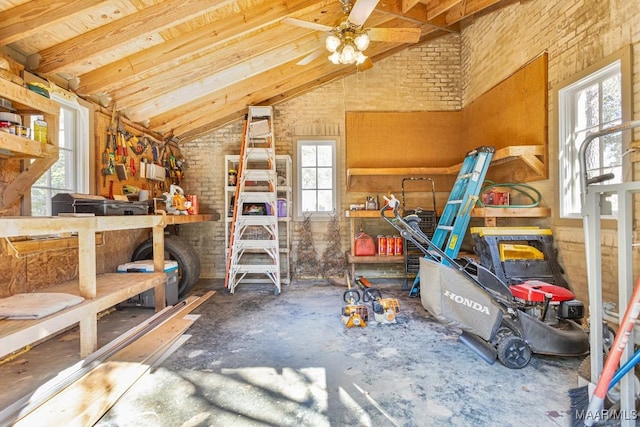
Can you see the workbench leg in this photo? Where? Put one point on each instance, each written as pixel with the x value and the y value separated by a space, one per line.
pixel 158 266
pixel 88 334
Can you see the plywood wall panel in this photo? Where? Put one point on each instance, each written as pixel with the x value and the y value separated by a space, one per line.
pixel 514 112
pixel 402 139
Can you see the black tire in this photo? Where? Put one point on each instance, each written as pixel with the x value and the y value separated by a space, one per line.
pixel 178 250
pixel 514 352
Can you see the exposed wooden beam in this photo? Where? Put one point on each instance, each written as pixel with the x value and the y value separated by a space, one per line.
pixel 151 20
pixel 417 14
pixel 438 7
pixel 199 116
pixel 226 78
pixel 248 57
pixel 28 18
pixel 408 4
pixel 164 56
pixel 239 58
pixel 467 8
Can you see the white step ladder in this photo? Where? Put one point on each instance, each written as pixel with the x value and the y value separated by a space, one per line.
pixel 254 246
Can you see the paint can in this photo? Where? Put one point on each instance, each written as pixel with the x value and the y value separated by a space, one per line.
pixel 397 245
pixel 382 245
pixel 390 246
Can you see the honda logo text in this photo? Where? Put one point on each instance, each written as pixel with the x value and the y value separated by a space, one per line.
pixel 466 301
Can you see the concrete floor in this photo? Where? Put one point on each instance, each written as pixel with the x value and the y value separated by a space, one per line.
pixel 256 359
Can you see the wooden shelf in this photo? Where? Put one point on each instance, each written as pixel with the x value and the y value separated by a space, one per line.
pixel 27 102
pixel 490 214
pixel 375 259
pixel 99 292
pixel 189 219
pixel 368 214
pixel 529 154
pixel 112 289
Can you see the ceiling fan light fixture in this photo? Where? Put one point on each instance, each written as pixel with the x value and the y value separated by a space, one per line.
pixel 348 54
pixel 335 58
pixel 332 42
pixel 360 58
pixel 361 41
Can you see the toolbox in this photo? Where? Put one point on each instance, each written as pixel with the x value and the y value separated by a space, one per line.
pixel 147 298
pixel 97 205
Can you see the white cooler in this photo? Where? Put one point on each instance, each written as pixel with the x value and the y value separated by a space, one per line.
pixel 147 298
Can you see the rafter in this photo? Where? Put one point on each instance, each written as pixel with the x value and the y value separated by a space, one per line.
pixel 28 18
pixel 164 56
pixel 135 26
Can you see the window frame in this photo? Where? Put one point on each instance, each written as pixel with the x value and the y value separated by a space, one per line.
pixel 596 73
pixel 299 142
pixel 80 167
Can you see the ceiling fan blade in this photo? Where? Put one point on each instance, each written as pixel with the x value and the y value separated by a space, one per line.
pixel 361 11
pixel 395 35
pixel 313 55
pixel 306 24
pixel 367 64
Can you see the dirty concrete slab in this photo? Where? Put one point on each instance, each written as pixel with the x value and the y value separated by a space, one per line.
pixel 257 359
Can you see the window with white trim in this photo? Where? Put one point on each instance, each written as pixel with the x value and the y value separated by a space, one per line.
pixel 70 174
pixel 586 106
pixel 316 177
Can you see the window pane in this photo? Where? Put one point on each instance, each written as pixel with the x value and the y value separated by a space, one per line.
pixel 325 178
pixel 39 199
pixel 59 171
pixel 308 201
pixel 612 150
pixel 66 136
pixel 325 155
pixel 588 108
pixel 325 200
pixel 308 155
pixel 611 99
pixel 309 178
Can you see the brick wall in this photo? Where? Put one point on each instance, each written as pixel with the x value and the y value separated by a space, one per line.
pixel 426 77
pixel 576 34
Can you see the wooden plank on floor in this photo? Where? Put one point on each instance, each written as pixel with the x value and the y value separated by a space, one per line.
pixel 86 400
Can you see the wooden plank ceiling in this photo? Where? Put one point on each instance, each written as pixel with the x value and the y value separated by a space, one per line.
pixel 185 67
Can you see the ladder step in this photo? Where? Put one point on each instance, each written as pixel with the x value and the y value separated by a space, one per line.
pixel 259 111
pixel 259 174
pixel 454 202
pixel 255 268
pixel 253 220
pixel 257 244
pixel 257 154
pixel 257 196
pixel 445 227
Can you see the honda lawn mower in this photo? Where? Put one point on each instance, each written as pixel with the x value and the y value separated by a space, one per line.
pixel 497 321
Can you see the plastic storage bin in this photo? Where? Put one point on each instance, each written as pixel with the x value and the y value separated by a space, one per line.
pixel 147 298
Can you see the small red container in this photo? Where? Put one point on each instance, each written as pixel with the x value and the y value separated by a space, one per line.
pixel 397 245
pixel 382 245
pixel 390 246
pixel 193 209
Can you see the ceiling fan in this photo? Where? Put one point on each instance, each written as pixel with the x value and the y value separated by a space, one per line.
pixel 348 39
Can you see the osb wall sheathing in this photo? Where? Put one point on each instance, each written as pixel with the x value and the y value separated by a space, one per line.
pixel 37 271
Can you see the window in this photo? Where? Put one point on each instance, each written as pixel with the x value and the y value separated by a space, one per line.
pixel 70 174
pixel 588 105
pixel 316 177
